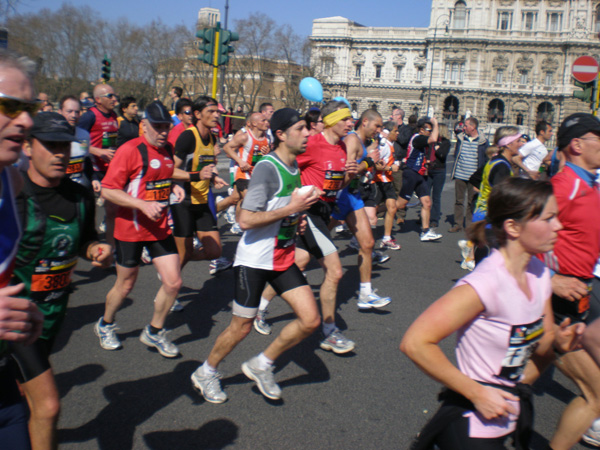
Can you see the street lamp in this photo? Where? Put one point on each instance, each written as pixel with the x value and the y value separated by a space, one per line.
pixel 446 20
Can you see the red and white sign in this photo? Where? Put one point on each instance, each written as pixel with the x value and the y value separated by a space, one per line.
pixel 585 69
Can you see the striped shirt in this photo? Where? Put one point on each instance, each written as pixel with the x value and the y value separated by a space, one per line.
pixel 467 160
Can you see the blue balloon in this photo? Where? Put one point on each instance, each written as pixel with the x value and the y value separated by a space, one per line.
pixel 311 89
pixel 342 99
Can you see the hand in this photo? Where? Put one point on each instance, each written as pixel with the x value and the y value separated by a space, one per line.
pixel 380 165
pixel 492 403
pixel 533 174
pixel 217 149
pixel 567 337
pixel 219 183
pixel 101 255
pixel 179 193
pixel 245 167
pixel 152 210
pixel 107 154
pixel 96 185
pixel 433 120
pixel 395 168
pixel 207 172
pixel 351 168
pixel 569 288
pixel 20 319
pixel 302 224
pixel 301 202
pixel 375 155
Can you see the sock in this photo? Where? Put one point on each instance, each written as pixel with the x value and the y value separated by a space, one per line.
pixel 263 362
pixel 264 304
pixel 154 330
pixel 425 230
pixel 104 322
pixel 365 288
pixel 208 369
pixel 328 328
pixel 386 238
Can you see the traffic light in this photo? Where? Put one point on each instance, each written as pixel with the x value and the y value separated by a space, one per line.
pixel 587 92
pixel 225 38
pixel 106 69
pixel 206 45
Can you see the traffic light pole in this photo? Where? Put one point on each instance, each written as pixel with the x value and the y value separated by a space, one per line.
pixel 596 97
pixel 216 63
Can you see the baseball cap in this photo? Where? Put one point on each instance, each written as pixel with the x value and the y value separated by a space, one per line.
pixel 157 113
pixel 52 127
pixel 575 126
pixel 284 118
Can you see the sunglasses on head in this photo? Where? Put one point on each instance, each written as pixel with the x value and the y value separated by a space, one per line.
pixel 13 106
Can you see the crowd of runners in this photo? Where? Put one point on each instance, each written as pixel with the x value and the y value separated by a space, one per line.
pixel 532 221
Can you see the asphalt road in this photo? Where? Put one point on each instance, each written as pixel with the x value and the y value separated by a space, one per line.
pixel 372 398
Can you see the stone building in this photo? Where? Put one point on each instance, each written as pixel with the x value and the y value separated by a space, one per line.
pixel 503 61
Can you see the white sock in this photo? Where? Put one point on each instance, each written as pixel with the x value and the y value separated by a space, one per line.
pixel 328 328
pixel 365 288
pixel 386 238
pixel 208 369
pixel 263 362
pixel 264 304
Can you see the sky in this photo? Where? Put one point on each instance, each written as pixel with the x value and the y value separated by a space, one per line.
pixel 299 15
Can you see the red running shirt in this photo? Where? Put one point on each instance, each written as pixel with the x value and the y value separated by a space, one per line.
pixel 323 165
pixel 125 173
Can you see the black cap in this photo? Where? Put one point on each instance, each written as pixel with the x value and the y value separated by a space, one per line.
pixel 422 121
pixel 526 137
pixel 575 126
pixel 157 113
pixel 52 127
pixel 284 118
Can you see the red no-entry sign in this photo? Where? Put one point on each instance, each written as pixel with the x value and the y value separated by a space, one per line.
pixel 585 69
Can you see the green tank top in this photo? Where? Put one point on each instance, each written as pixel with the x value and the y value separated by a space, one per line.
pixel 45 261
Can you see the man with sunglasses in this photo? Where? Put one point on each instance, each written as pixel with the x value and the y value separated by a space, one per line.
pixel 101 122
pixel 22 321
pixel 184 114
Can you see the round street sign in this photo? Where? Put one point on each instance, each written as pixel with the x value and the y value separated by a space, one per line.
pixel 585 69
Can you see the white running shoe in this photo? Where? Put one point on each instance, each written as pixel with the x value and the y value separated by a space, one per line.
pixel 430 235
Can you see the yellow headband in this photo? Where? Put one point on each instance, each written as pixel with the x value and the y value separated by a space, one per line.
pixel 331 119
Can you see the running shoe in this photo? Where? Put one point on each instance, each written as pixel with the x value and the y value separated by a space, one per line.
pixel 230 215
pixel 264 379
pixel 219 265
pixel 102 226
pixel 197 243
pixel 236 229
pixel 177 306
pixel 260 324
pixel 372 300
pixel 468 265
pixel 379 257
pixel 146 258
pixel 390 244
pixel 209 386
pixel 430 235
pixel 592 435
pixel 337 343
pixel 465 248
pixel 341 228
pixel 354 243
pixel 160 342
pixel 108 336
pixel 218 199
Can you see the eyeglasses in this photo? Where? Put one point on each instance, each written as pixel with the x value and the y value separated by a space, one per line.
pixel 111 96
pixel 188 112
pixel 13 106
pixel 591 138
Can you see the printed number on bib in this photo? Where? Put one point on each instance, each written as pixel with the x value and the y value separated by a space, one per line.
pixel 522 343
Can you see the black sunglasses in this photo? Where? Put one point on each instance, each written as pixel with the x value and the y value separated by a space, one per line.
pixel 13 106
pixel 188 113
pixel 109 95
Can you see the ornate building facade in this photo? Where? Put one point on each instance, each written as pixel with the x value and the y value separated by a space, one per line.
pixel 503 61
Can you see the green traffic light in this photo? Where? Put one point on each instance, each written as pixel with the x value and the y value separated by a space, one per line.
pixel 587 92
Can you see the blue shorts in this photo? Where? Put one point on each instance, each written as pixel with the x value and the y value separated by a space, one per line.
pixel 346 203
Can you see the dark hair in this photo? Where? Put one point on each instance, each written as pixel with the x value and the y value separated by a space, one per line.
pixel 182 103
pixel 62 101
pixel 125 102
pixel 514 198
pixel 412 120
pixel 541 126
pixel 202 102
pixel 263 106
pixel 473 121
pixel 312 116
pixel 178 91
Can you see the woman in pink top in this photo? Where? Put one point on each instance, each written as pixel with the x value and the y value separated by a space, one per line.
pixel 503 316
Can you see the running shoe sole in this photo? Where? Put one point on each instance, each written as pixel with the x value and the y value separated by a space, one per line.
pixel 327 346
pixel 250 375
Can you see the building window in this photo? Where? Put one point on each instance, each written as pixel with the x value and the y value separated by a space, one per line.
pixel 377 72
pixel 529 19
pixel 398 73
pixel 548 78
pixel 460 15
pixel 454 72
pixel 520 119
pixel 554 22
pixel 328 67
pixel 496 111
pixel 504 20
pixel 523 77
pixel 420 74
pixel 597 20
pixel 357 70
pixel 499 75
pixel 545 112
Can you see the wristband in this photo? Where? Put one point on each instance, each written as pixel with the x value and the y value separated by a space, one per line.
pixel 369 161
pixel 194 176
